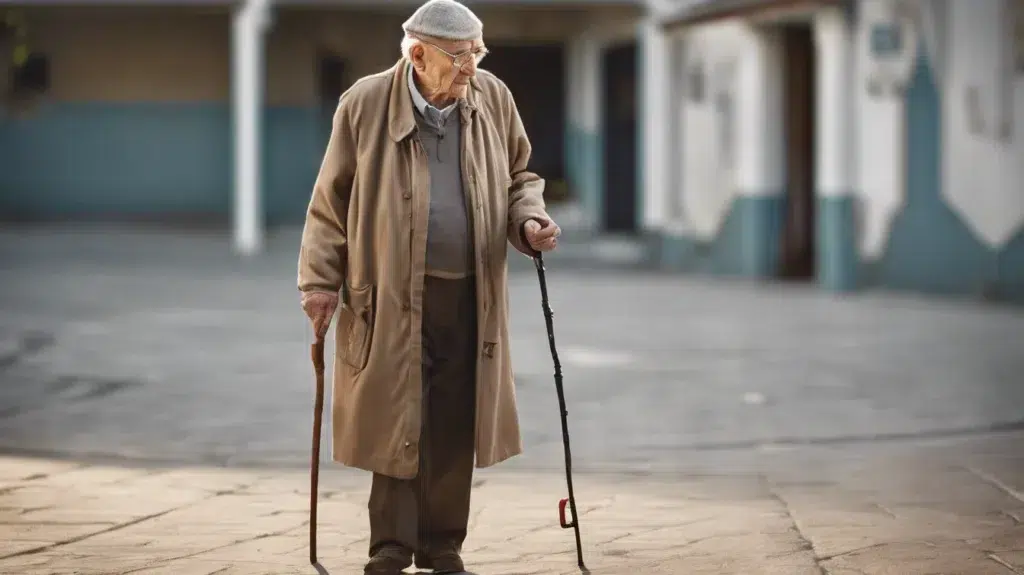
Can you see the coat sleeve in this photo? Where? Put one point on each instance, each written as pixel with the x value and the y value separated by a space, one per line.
pixel 323 253
pixel 526 192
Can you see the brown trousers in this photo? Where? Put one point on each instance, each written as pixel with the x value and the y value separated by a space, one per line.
pixel 430 513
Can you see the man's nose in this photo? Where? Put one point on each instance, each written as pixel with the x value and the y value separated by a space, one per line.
pixel 469 68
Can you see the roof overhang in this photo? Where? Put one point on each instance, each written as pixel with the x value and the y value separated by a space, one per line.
pixel 382 4
pixel 710 11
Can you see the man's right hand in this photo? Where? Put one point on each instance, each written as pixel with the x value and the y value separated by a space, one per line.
pixel 319 307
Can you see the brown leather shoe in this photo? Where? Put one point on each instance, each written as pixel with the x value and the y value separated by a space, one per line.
pixel 389 560
pixel 440 562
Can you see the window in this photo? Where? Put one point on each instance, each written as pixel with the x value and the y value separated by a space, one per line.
pixel 32 74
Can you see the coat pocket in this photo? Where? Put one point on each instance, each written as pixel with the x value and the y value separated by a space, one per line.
pixel 355 320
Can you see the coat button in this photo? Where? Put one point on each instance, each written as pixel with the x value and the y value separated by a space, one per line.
pixel 407 195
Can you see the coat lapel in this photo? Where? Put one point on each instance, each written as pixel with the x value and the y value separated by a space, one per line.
pixel 401 122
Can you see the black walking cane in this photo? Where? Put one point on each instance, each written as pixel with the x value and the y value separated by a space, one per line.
pixel 314 464
pixel 538 261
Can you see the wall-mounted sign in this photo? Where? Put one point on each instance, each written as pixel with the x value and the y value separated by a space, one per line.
pixel 893 31
pixel 886 40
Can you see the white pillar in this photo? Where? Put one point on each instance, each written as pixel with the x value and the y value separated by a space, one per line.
pixel 677 216
pixel 760 155
pixel 590 82
pixel 759 142
pixel 836 248
pixel 249 23
pixel 658 124
pixel 587 106
pixel 835 106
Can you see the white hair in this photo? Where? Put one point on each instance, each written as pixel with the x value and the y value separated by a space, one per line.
pixel 406 46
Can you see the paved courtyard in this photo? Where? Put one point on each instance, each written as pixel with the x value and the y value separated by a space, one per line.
pixel 156 398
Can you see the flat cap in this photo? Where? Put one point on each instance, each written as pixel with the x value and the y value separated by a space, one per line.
pixel 445 19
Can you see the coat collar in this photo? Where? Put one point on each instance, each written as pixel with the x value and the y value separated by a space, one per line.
pixel 401 121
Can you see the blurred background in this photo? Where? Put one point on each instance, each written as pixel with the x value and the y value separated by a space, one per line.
pixel 793 255
pixel 787 222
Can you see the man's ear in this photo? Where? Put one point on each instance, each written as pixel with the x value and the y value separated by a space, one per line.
pixel 418 54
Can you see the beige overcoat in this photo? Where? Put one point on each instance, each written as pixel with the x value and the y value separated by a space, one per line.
pixel 365 235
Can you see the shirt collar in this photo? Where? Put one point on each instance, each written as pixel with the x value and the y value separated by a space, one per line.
pixel 426 108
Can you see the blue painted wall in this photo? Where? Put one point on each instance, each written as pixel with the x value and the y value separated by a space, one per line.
pixel 930 247
pixel 747 243
pixel 584 169
pixel 836 247
pixel 97 160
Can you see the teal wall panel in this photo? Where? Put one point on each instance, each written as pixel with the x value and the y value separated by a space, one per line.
pixel 748 241
pixel 152 160
pixel 585 170
pixel 1010 269
pixel 295 142
pixel 836 248
pixel 747 244
pixel 96 160
pixel 930 248
pixel 573 158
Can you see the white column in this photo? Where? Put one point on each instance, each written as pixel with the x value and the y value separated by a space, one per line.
pixel 657 125
pixel 590 83
pixel 835 106
pixel 836 247
pixel 760 153
pixel 588 114
pixel 677 216
pixel 249 23
pixel 574 86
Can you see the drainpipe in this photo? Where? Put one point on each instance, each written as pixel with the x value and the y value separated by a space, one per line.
pixel 249 23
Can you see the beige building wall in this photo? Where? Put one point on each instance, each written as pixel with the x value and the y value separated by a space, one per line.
pixel 369 41
pixel 131 55
pixel 182 54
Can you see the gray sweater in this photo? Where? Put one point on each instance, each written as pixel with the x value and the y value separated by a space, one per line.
pixel 449 237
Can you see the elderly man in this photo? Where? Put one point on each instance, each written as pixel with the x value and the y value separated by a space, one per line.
pixel 422 187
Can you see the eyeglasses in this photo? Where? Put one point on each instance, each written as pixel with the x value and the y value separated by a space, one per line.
pixel 462 58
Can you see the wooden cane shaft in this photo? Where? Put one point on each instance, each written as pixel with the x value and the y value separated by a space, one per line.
pixel 314 463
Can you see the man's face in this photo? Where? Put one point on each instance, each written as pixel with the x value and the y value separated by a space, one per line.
pixel 446 67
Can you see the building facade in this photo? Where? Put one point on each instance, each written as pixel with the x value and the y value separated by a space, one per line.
pixel 848 143
pixel 852 144
pixel 220 112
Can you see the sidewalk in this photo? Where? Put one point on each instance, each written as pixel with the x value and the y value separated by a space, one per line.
pixel 718 427
pixel 946 508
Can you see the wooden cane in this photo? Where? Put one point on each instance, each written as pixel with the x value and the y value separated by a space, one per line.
pixel 314 463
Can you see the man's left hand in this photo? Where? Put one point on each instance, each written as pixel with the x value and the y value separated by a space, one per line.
pixel 542 236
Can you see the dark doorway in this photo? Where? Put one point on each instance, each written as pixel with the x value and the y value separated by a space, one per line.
pixel 332 80
pixel 619 209
pixel 797 254
pixel 535 74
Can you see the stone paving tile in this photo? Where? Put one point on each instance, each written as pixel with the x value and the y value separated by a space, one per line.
pixel 185 521
pixel 199 521
pixel 949 558
pixel 915 514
